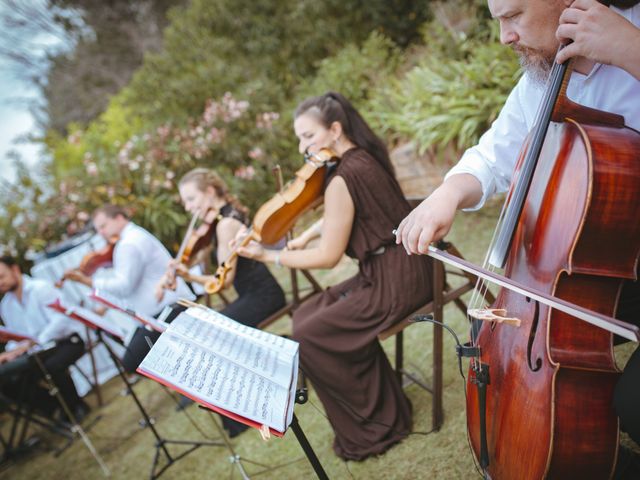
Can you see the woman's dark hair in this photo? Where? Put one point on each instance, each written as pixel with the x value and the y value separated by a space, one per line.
pixel 333 107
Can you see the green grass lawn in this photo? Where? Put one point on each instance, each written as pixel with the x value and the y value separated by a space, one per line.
pixel 128 449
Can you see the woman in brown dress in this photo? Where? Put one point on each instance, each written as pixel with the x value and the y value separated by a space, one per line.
pixel 338 328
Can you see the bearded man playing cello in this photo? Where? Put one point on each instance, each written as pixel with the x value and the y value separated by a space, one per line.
pixel 606 51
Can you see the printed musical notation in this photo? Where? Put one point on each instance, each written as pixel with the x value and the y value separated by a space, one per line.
pixel 219 362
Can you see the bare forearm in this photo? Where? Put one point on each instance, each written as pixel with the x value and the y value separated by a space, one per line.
pixel 464 190
pixel 309 258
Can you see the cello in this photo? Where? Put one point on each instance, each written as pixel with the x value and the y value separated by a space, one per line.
pixel 274 219
pixel 539 390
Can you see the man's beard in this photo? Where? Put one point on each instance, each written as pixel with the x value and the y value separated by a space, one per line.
pixel 535 62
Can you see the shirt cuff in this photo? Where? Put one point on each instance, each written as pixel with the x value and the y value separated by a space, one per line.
pixel 487 182
pixel 98 283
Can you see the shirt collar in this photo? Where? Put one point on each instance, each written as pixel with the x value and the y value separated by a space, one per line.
pixel 27 286
pixel 27 282
pixel 127 228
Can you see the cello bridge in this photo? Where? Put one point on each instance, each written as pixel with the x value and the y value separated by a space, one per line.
pixel 497 315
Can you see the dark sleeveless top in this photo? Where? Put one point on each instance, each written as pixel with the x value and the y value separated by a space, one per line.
pixel 259 294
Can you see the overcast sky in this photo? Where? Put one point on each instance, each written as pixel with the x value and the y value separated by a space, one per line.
pixel 15 119
pixel 15 92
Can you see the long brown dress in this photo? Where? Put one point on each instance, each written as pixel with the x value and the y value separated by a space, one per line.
pixel 337 329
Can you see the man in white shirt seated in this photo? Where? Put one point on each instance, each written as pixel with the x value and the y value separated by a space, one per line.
pixel 24 310
pixel 139 261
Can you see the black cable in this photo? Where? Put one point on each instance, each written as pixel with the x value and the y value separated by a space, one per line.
pixel 337 397
pixel 430 319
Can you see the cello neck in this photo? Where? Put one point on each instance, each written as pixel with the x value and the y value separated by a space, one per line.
pixel 555 86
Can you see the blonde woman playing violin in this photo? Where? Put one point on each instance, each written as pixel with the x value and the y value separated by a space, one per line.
pixel 337 329
pixel 259 294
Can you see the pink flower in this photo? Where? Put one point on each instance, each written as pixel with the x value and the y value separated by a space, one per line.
pixel 163 131
pixel 72 228
pixel 256 153
pixel 74 138
pixel 265 120
pixel 245 173
pixel 214 136
pixel 92 169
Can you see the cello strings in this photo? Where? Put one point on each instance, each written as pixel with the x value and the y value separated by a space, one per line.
pixel 544 109
pixel 482 286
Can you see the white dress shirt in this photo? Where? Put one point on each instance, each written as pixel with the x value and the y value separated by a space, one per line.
pixel 139 261
pixel 32 316
pixel 493 159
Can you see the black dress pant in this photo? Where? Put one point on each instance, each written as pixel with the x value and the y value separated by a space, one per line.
pixel 25 371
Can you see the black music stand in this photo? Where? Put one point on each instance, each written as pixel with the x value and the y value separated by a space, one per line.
pixel 301 398
pixel 161 442
pixel 27 415
pixel 236 460
pixel 23 415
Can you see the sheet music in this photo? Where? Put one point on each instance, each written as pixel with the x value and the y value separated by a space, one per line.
pixel 275 342
pixel 52 269
pixel 92 319
pixel 114 302
pixel 220 362
pixel 212 378
pixel 259 357
pixel 7 335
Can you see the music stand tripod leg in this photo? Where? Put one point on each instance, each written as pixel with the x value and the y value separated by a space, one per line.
pixel 301 398
pixel 308 449
pixel 161 443
pixel 235 459
pixel 75 426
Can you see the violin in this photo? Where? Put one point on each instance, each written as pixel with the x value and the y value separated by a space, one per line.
pixel 275 218
pixel 540 384
pixel 94 260
pixel 195 240
pixel 198 238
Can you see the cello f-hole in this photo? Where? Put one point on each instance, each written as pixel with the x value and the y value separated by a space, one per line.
pixel 532 337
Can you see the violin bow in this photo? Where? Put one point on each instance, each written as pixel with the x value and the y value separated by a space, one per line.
pixel 187 235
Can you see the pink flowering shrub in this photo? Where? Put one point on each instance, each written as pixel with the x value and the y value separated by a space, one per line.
pixel 140 172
